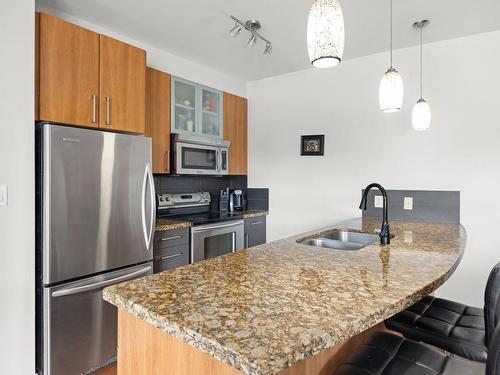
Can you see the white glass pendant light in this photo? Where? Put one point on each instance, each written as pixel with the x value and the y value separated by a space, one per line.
pixel 391 87
pixel 325 33
pixel 421 115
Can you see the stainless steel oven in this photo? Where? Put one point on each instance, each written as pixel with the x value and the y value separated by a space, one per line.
pixel 211 240
pixel 199 156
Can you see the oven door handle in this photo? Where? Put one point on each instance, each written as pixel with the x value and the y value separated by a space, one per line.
pixel 207 228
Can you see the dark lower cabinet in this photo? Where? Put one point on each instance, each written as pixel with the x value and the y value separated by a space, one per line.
pixel 171 249
pixel 255 231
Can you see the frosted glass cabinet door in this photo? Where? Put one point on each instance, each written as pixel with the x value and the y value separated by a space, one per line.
pixel 185 104
pixel 211 112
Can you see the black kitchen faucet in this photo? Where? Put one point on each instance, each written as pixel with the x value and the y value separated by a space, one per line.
pixel 385 234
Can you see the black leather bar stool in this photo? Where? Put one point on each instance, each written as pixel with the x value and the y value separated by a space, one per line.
pixel 459 329
pixel 387 354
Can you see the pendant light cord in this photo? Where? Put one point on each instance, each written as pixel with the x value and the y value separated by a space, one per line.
pixel 391 34
pixel 421 64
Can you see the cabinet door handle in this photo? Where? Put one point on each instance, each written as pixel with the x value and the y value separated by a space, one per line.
pixel 94 108
pixel 246 241
pixel 170 238
pixel 171 256
pixel 167 161
pixel 108 115
pixel 257 223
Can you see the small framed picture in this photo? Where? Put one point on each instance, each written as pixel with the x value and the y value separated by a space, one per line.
pixel 312 145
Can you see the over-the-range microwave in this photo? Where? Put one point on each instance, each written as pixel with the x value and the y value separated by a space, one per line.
pixel 193 155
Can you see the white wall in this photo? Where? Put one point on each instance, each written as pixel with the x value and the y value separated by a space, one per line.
pixel 460 152
pixel 164 60
pixel 17 220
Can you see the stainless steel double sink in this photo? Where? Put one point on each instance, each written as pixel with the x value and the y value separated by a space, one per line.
pixel 342 240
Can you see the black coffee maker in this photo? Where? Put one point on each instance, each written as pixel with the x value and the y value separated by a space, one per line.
pixel 238 200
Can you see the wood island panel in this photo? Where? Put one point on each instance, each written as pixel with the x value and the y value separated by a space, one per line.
pixel 145 350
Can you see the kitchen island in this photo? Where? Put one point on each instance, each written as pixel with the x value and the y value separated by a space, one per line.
pixel 279 308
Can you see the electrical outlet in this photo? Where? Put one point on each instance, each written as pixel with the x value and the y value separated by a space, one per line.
pixel 3 195
pixel 379 201
pixel 408 203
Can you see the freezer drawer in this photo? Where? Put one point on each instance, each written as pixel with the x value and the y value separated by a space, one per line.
pixel 79 327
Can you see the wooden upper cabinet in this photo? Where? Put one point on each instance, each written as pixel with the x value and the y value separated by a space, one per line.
pixel 68 72
pixel 235 131
pixel 158 93
pixel 122 86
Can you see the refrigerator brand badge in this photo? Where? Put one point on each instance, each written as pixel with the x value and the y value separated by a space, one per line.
pixel 71 140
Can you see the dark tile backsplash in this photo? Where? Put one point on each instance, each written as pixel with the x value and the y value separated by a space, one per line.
pixel 430 206
pixel 258 199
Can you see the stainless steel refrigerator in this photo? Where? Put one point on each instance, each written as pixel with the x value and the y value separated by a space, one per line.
pixel 95 226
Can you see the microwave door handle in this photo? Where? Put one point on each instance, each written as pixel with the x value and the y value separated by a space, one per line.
pixel 220 161
pixel 217 153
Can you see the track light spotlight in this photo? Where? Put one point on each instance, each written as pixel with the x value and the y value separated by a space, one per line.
pixel 235 30
pixel 252 41
pixel 268 49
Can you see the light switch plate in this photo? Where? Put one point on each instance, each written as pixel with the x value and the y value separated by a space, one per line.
pixel 379 201
pixel 3 195
pixel 408 203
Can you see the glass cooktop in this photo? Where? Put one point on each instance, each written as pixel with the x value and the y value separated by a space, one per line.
pixel 207 217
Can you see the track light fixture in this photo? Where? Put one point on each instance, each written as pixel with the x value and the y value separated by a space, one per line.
pixel 251 26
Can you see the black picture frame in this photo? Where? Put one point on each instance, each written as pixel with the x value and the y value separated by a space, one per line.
pixel 312 145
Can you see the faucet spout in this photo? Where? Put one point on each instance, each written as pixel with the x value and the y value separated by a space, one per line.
pixel 385 235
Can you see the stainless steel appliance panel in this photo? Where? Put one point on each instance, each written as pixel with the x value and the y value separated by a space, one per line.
pixel 216 239
pixel 98 202
pixel 194 159
pixel 79 326
pixel 199 156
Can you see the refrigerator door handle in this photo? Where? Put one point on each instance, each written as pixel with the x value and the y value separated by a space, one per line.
pixel 152 200
pixel 148 233
pixel 100 284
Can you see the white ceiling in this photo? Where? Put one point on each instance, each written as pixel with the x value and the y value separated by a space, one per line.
pixel 198 29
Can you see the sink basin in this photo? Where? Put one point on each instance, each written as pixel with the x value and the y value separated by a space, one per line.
pixel 356 237
pixel 342 240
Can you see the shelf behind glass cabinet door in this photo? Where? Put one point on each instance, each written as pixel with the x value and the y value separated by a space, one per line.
pixel 185 104
pixel 211 112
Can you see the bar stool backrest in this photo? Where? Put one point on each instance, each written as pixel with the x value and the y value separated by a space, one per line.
pixel 492 303
pixel 493 362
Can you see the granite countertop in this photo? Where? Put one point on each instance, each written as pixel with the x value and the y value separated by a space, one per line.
pixel 169 224
pixel 263 309
pixel 253 213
